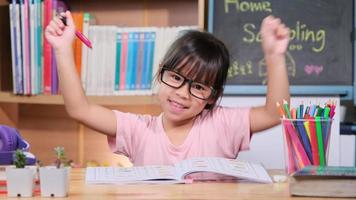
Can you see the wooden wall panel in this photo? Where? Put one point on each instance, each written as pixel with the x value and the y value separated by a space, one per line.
pixel 48 126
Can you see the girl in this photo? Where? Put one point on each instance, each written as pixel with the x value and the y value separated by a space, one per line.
pixel 191 77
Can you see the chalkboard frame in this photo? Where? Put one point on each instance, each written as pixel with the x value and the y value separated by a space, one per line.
pixel 346 92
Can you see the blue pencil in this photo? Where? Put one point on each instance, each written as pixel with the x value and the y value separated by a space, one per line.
pixel 305 140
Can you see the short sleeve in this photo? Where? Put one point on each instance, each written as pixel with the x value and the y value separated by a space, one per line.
pixel 237 127
pixel 127 135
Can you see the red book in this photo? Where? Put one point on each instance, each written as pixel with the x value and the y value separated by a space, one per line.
pixel 47 50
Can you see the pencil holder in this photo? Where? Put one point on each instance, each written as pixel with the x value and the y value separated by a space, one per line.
pixel 306 142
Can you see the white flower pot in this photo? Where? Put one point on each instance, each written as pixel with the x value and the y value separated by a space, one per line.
pixel 20 181
pixel 54 181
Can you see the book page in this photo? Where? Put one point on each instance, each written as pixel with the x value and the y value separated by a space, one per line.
pixel 102 175
pixel 230 167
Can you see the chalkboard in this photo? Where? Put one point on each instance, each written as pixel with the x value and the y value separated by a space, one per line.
pixel 320 49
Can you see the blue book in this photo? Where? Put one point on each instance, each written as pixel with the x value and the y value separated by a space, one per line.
pixel 129 61
pixel 118 61
pixel 135 43
pixel 145 61
pixel 140 55
pixel 39 42
pixel 151 44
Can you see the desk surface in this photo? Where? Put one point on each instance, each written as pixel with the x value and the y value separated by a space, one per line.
pixel 207 190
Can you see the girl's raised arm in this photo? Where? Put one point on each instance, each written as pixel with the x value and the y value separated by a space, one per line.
pixel 275 38
pixel 94 116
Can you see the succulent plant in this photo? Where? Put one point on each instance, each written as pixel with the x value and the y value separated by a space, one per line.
pixel 19 159
pixel 61 159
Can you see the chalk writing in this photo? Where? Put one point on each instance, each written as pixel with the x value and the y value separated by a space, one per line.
pixel 248 6
pixel 298 33
pixel 310 69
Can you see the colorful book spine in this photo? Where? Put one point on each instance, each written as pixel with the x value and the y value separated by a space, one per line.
pixel 19 55
pixel 140 60
pixel 118 61
pixel 129 67
pixel 39 46
pixel 145 62
pixel 33 49
pixel 151 57
pixel 14 21
pixel 134 57
pixel 123 60
pixel 84 67
pixel 47 50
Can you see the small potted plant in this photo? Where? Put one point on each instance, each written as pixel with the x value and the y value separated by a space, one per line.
pixel 20 178
pixel 55 179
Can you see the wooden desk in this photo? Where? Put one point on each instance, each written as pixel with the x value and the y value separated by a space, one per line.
pixel 243 190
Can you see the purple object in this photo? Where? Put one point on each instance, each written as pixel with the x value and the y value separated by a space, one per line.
pixel 10 141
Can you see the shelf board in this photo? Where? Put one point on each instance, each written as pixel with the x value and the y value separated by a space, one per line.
pixel 8 97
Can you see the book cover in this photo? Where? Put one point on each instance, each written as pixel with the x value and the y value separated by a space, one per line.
pixel 326 181
pixel 179 172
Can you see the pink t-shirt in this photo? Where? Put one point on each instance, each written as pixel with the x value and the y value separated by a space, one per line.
pixel 143 140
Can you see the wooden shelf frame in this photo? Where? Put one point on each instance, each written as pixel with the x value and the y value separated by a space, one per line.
pixel 8 97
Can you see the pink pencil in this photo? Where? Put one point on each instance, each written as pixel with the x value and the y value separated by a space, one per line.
pixel 81 37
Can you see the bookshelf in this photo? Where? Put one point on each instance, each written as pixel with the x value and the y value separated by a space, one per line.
pixel 42 119
pixel 8 97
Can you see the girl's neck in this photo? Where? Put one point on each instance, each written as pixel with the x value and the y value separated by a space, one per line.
pixel 172 125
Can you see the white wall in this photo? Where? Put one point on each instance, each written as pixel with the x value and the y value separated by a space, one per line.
pixel 267 146
pixel 347 150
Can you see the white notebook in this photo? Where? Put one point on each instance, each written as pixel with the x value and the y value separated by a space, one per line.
pixel 178 173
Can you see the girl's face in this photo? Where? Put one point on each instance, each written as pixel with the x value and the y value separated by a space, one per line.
pixel 178 105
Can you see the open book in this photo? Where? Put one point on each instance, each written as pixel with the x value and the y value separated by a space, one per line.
pixel 178 172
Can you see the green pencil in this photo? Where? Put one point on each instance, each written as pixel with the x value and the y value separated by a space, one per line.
pixel 326 112
pixel 286 109
pixel 319 135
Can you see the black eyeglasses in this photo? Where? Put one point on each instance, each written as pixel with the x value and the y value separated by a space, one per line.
pixel 176 80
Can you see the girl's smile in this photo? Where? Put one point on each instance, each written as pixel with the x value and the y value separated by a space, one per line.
pixel 176 107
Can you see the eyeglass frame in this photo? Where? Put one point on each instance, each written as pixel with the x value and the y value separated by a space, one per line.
pixel 190 81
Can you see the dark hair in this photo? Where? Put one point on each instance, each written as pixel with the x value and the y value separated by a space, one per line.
pixel 202 57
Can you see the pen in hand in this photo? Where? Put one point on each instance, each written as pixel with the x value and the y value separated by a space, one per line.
pixel 81 37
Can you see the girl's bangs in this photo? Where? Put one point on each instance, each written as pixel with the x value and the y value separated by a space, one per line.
pixel 198 70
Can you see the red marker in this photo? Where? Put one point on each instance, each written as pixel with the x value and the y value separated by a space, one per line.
pixel 81 37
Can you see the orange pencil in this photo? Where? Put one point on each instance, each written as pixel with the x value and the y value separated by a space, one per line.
pixel 294 113
pixel 280 110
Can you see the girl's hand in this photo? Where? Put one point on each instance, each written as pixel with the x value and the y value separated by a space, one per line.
pixel 59 35
pixel 275 36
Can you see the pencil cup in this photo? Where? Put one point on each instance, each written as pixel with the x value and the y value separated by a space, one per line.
pixel 306 142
